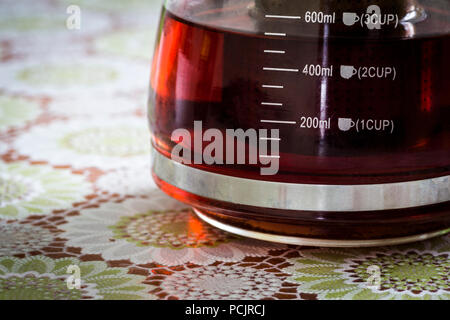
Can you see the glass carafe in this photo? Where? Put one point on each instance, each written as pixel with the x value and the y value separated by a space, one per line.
pixel 313 122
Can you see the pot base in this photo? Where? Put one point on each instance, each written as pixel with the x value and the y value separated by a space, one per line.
pixel 327 229
pixel 203 215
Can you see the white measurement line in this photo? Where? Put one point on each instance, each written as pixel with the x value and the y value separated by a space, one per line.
pixel 275 51
pixel 276 34
pixel 272 86
pixel 272 157
pixel 280 69
pixel 272 104
pixel 278 121
pixel 270 139
pixel 274 16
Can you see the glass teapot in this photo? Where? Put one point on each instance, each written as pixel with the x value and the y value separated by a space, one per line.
pixel 313 122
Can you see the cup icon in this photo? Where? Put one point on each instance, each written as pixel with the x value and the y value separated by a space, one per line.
pixel 350 18
pixel 345 124
pixel 348 71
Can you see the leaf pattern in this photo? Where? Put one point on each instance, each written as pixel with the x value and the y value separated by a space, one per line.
pixel 75 185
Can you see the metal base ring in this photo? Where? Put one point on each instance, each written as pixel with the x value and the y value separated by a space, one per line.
pixel 317 242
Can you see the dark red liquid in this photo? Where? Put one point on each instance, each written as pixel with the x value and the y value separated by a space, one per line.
pixel 216 76
pixel 202 72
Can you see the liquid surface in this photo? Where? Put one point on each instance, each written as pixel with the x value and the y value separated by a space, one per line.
pixel 310 18
pixel 353 105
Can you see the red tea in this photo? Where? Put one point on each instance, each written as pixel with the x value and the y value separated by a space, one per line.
pixel 352 106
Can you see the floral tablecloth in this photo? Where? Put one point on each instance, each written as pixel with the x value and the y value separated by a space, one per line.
pixel 77 201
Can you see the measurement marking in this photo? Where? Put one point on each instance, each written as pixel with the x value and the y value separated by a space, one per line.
pixel 270 139
pixel 278 121
pixel 280 69
pixel 272 157
pixel 282 17
pixel 272 86
pixel 275 34
pixel 272 104
pixel 275 51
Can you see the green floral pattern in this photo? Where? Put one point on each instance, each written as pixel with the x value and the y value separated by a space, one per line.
pixel 43 278
pixel 130 43
pixel 156 230
pixel 15 111
pixel 66 75
pixel 76 188
pixel 110 5
pixel 18 238
pixel 105 143
pixel 222 282
pixel 404 272
pixel 37 190
pixel 31 23
pixel 121 141
pixel 173 230
pixel 374 274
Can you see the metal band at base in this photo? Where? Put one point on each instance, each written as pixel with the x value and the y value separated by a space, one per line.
pixel 317 242
pixel 301 197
